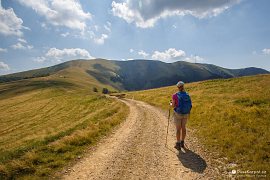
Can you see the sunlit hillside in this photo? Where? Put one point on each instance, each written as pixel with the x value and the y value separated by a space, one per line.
pixel 230 117
pixel 130 75
pixel 49 115
pixel 47 122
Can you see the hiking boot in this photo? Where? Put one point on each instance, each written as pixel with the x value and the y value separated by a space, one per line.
pixel 182 144
pixel 177 145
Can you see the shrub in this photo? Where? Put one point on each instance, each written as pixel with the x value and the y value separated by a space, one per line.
pixel 95 89
pixel 105 91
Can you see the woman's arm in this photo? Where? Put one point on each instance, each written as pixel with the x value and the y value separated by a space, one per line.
pixel 173 103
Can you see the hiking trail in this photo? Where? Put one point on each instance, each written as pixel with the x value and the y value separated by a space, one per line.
pixel 136 150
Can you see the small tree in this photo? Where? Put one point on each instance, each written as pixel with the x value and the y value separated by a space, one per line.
pixel 105 91
pixel 95 89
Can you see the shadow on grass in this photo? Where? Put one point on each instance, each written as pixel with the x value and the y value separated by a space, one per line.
pixel 191 160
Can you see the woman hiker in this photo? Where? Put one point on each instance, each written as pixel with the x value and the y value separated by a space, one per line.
pixel 181 102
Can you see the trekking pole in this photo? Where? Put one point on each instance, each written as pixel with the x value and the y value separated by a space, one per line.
pixel 168 124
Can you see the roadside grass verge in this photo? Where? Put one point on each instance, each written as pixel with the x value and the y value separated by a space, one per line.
pixel 44 129
pixel 231 118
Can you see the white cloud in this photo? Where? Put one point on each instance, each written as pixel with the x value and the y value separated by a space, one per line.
pixel 109 23
pixel 126 59
pixel 19 45
pixel 194 59
pixel 107 26
pixel 170 54
pixel 266 51
pixel 3 50
pixel 142 53
pixel 123 11
pixel 4 66
pixel 57 55
pixel 29 47
pixel 68 13
pixel 45 26
pixel 40 59
pixel 22 40
pixel 96 27
pixel 131 50
pixel 65 34
pixel 101 39
pixel 68 53
pixel 10 24
pixel 145 13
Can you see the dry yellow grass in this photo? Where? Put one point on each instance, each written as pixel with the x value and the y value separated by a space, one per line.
pixel 231 117
pixel 46 123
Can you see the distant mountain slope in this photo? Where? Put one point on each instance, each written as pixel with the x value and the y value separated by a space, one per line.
pixel 145 74
pixel 132 75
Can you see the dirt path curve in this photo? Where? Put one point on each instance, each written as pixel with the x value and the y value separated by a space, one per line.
pixel 136 150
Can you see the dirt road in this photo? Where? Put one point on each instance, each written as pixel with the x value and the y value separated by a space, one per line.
pixel 136 150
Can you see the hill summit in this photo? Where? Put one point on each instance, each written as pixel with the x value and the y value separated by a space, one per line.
pixel 132 75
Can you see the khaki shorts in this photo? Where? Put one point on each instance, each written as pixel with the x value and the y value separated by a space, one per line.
pixel 179 117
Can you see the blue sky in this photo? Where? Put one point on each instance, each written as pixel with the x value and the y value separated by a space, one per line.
pixel 227 33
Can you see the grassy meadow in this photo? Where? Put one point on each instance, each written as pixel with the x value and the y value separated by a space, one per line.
pixel 229 116
pixel 46 123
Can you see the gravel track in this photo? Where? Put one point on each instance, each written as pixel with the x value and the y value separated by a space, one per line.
pixel 136 150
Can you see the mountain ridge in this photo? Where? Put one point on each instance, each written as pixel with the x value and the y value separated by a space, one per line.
pixel 135 74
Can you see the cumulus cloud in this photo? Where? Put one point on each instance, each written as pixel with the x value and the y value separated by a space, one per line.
pixel 68 13
pixel 131 50
pixel 57 55
pixel 194 59
pixel 3 50
pixel 266 51
pixel 142 53
pixel 97 33
pixel 10 24
pixel 4 66
pixel 65 34
pixel 40 59
pixel 19 45
pixel 168 55
pixel 73 52
pixel 107 26
pixel 145 13
pixel 22 40
pixel 101 39
pixel 45 26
